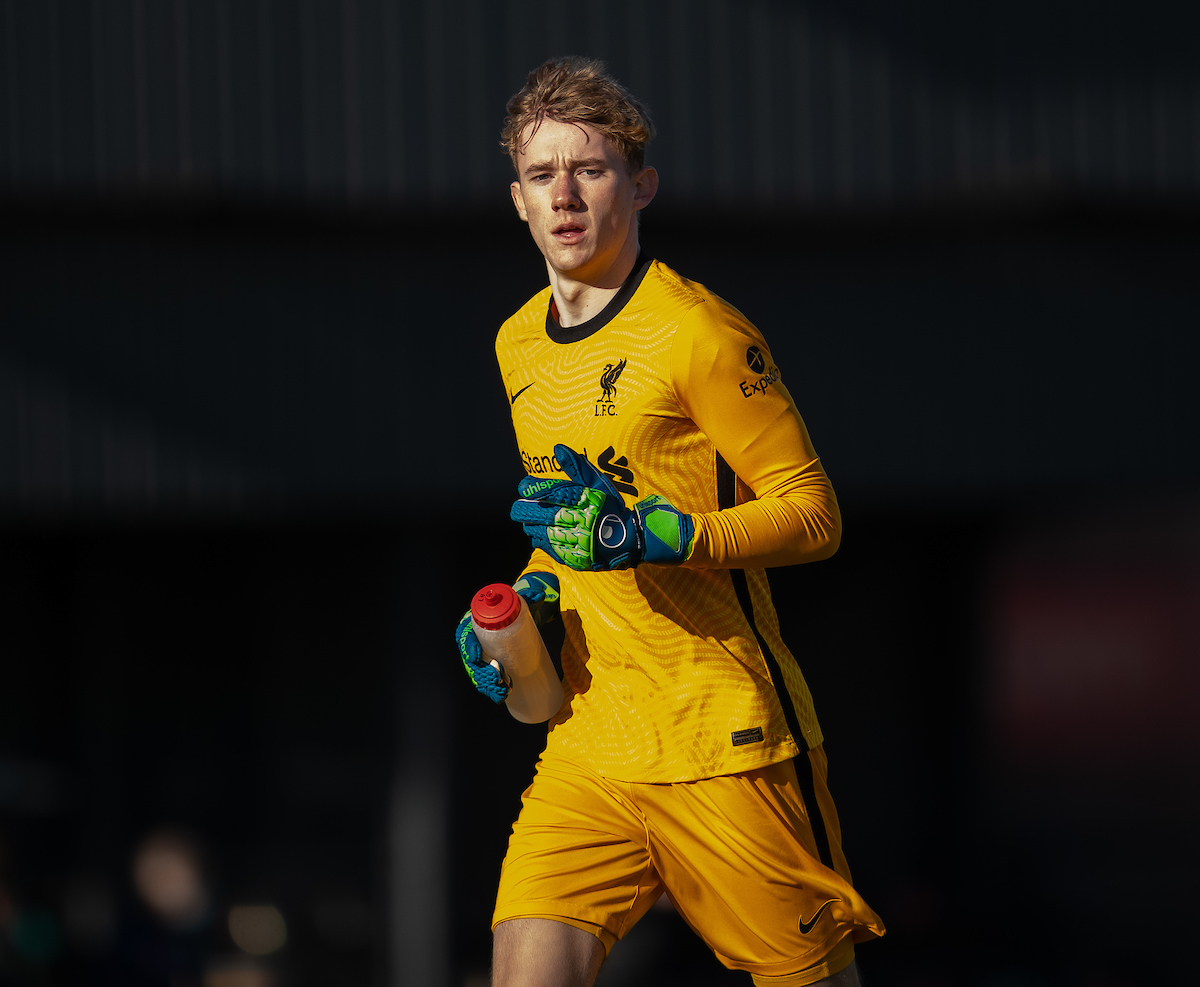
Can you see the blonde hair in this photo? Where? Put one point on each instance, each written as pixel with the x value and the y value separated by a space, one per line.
pixel 578 90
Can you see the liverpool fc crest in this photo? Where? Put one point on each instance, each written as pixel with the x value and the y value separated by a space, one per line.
pixel 608 386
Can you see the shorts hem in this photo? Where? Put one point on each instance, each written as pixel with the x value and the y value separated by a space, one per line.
pixel 585 925
pixel 835 961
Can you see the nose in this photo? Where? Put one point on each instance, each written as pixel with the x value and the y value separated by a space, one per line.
pixel 566 194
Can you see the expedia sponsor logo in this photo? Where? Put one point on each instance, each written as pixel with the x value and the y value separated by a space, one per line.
pixel 756 360
pixel 759 386
pixel 608 389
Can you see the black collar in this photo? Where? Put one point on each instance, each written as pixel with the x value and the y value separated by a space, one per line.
pixel 602 318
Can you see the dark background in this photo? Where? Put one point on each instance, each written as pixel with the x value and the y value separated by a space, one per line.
pixel 255 457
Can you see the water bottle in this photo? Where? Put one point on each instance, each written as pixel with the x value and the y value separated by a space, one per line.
pixel 510 640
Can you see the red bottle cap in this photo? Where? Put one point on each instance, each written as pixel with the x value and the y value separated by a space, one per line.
pixel 495 606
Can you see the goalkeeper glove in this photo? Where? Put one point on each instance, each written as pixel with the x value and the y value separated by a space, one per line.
pixel 540 592
pixel 583 523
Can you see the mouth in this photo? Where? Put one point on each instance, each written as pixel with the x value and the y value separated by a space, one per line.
pixel 568 232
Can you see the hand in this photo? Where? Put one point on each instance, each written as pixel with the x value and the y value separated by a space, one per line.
pixel 584 523
pixel 540 591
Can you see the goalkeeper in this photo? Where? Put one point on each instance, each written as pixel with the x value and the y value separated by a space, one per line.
pixel 668 468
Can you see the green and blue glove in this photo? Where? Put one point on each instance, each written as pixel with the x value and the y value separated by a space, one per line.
pixel 584 524
pixel 540 592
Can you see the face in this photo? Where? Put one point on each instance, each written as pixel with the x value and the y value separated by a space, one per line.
pixel 581 202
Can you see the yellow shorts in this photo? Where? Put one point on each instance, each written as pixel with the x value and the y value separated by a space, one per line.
pixel 762 882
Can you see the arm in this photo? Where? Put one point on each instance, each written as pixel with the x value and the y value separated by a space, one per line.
pixel 752 420
pixel 725 382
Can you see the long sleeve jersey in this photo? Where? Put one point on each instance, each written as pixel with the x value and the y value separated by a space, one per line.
pixel 675 673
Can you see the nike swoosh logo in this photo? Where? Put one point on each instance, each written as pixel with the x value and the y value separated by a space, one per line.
pixel 806 927
pixel 513 397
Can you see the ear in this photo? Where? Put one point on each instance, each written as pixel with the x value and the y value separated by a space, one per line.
pixel 519 200
pixel 645 184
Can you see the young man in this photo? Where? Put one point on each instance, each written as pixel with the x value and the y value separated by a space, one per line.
pixel 668 467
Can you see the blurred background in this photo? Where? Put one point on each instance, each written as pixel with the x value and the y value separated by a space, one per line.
pixel 255 457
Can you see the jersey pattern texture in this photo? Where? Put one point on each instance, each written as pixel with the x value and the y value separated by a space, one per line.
pixel 675 673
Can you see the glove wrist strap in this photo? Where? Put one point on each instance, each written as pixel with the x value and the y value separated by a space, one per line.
pixel 667 533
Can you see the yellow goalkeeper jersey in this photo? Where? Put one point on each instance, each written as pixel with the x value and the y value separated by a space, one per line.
pixel 675 673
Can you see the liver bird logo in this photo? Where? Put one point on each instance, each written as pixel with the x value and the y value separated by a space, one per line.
pixel 608 379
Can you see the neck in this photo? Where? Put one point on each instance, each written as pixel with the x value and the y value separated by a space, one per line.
pixel 579 299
